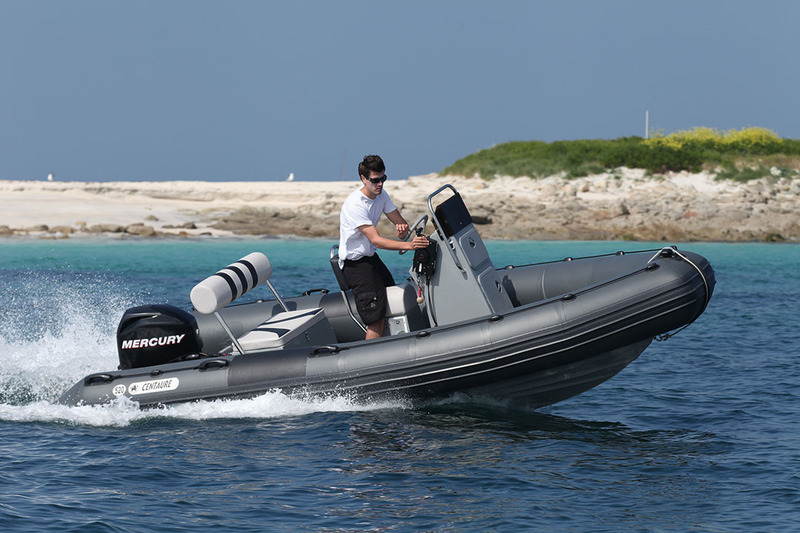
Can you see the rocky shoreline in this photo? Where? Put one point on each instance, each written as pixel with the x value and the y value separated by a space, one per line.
pixel 621 205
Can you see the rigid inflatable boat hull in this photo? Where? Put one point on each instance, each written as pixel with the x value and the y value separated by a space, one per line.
pixel 536 354
pixel 532 383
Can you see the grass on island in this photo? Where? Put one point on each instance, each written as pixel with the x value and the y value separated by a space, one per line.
pixel 740 155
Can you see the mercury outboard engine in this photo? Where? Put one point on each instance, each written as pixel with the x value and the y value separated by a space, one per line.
pixel 155 334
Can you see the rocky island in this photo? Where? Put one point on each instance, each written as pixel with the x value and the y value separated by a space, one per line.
pixel 622 204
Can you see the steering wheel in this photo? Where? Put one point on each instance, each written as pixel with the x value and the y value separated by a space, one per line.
pixel 412 229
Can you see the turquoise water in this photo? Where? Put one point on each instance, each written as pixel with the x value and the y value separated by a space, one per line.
pixel 701 433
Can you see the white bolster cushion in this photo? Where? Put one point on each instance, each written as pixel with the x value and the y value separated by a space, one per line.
pixel 217 291
pixel 400 299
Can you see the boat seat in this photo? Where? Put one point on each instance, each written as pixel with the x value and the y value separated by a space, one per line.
pixel 400 299
pixel 289 329
pixel 284 329
pixel 403 314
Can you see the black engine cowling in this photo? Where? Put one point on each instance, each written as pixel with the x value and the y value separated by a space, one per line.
pixel 155 334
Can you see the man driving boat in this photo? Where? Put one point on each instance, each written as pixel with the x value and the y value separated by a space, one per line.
pixel 359 239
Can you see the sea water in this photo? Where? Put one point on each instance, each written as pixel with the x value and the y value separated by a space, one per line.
pixel 701 433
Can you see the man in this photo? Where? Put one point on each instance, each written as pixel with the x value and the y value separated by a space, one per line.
pixel 364 271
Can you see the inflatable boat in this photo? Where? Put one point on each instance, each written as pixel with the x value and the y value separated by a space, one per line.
pixel 532 334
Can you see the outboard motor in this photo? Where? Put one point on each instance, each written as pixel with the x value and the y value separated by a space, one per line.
pixel 155 334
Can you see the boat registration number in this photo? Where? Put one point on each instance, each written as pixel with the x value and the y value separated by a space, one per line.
pixel 147 387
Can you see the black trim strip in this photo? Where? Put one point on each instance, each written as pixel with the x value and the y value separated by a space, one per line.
pixel 231 284
pixel 253 271
pixel 237 269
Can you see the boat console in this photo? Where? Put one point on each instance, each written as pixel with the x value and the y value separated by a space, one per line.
pixel 462 284
pixel 465 284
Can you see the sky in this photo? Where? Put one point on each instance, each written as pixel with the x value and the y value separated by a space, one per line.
pixel 247 90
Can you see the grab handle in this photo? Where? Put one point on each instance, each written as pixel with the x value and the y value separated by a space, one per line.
pixel 438 225
pixel 330 349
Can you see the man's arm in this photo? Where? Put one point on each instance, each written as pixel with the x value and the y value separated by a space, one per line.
pixel 371 233
pixel 399 222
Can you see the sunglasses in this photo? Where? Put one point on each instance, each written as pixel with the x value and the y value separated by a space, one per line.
pixel 377 180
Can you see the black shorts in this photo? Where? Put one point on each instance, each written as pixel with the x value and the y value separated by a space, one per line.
pixel 368 277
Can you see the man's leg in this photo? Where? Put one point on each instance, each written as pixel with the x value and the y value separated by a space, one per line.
pixel 375 330
pixel 369 290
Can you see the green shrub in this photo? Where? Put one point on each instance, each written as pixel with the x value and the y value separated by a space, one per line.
pixel 743 174
pixel 687 150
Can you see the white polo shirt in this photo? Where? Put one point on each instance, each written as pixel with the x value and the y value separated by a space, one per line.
pixel 359 210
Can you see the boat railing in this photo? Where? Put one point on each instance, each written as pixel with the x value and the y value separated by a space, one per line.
pixel 438 225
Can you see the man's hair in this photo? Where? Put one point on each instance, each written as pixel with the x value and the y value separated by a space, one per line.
pixel 371 163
